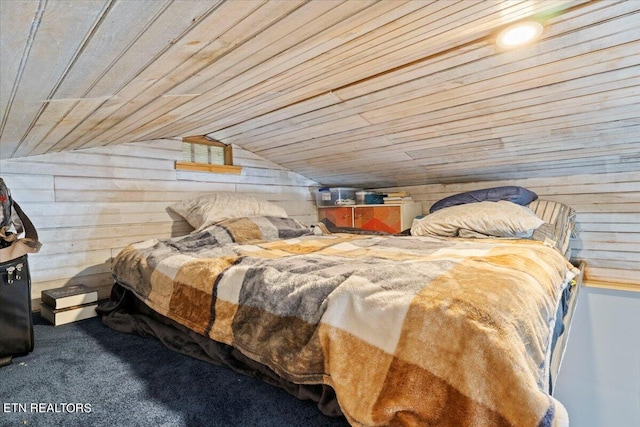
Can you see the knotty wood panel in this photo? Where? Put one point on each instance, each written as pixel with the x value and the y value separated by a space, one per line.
pixel 53 50
pixel 17 39
pixel 217 36
pixel 100 45
pixel 219 64
pixel 345 93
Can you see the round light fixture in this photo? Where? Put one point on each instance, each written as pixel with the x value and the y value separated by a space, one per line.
pixel 519 34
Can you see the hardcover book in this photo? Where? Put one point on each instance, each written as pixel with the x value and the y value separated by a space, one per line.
pixel 397 200
pixel 69 314
pixel 69 296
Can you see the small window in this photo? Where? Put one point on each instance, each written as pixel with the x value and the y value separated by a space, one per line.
pixel 202 154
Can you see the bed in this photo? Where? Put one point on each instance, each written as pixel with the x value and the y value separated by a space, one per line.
pixel 425 329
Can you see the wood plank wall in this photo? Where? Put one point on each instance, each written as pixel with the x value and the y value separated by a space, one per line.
pixel 89 204
pixel 608 216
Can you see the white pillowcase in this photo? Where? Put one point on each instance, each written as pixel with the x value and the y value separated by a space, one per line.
pixel 204 211
pixel 498 219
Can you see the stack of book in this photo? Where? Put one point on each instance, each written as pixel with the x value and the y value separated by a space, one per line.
pixel 397 197
pixel 69 304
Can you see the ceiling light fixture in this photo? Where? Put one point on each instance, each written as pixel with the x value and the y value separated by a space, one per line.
pixel 519 34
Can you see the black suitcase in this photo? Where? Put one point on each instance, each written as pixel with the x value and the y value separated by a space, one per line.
pixel 16 322
pixel 18 237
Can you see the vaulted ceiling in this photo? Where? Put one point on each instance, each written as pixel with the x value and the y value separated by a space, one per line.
pixel 357 92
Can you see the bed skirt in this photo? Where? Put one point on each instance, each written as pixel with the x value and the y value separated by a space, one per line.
pixel 126 313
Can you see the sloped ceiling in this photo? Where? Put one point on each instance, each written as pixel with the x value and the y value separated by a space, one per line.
pixel 343 92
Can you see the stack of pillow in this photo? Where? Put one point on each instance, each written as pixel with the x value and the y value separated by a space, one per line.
pixel 209 209
pixel 496 212
pixel 507 211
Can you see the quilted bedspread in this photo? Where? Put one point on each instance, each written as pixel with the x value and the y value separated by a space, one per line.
pixel 409 331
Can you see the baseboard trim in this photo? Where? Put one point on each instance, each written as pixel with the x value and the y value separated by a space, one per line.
pixel 628 287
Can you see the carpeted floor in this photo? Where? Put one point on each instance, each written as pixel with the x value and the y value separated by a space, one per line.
pixel 85 374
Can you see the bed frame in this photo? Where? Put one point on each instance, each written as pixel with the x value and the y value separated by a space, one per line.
pixel 561 344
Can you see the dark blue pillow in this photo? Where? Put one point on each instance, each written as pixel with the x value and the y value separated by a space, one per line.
pixel 510 193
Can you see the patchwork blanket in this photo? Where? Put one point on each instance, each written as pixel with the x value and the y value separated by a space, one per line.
pixel 409 331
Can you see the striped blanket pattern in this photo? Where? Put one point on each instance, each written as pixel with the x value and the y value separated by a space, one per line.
pixel 409 331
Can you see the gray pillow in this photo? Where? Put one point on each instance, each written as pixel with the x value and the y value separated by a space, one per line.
pixel 510 193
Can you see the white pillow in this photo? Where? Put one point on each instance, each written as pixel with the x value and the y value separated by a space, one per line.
pixel 203 211
pixel 498 219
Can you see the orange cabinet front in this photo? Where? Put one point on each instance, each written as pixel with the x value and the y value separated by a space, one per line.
pixel 379 218
pixel 339 216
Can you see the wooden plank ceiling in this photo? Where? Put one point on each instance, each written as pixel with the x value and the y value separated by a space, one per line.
pixel 366 93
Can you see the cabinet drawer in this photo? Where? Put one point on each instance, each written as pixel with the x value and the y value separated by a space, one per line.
pixel 386 218
pixel 379 218
pixel 339 216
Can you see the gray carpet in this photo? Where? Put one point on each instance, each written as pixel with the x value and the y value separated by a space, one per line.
pixel 85 374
